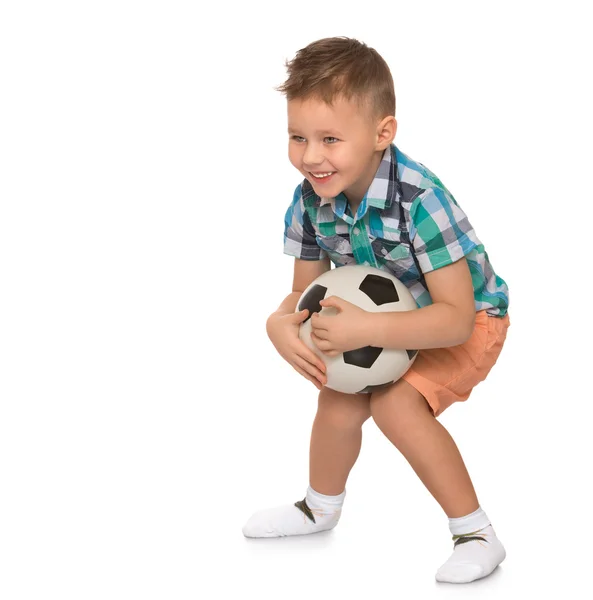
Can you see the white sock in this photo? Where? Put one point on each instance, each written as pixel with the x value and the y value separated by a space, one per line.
pixel 477 550
pixel 316 512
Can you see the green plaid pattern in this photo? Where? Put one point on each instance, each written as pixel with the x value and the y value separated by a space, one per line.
pixel 408 223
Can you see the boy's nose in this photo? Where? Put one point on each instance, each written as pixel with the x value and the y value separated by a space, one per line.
pixel 312 157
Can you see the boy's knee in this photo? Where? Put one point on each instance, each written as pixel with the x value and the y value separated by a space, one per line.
pixel 343 411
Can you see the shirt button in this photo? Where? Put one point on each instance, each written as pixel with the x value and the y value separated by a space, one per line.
pixel 356 231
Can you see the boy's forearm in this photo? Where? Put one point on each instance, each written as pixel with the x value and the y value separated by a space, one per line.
pixel 438 325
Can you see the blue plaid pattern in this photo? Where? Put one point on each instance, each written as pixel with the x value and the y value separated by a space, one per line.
pixel 407 223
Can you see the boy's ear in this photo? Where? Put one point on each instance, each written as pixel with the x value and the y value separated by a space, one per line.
pixel 386 130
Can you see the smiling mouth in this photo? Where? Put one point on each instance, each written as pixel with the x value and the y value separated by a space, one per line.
pixel 322 176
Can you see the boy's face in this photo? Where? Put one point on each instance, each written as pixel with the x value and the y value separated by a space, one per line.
pixel 341 140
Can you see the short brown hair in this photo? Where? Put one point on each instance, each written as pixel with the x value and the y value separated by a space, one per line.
pixel 341 66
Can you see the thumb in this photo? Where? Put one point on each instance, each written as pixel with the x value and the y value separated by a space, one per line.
pixel 333 302
pixel 301 315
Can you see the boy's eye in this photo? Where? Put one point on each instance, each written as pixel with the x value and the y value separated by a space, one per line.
pixel 298 138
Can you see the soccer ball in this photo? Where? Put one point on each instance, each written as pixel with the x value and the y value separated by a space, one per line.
pixel 363 370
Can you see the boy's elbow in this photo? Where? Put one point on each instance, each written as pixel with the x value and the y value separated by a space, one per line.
pixel 463 322
pixel 467 328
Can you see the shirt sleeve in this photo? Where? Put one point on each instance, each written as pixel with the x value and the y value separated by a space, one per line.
pixel 299 235
pixel 440 232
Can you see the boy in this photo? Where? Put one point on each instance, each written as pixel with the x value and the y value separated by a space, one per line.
pixel 364 201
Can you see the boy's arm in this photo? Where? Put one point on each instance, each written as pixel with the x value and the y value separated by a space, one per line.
pixel 448 321
pixel 305 272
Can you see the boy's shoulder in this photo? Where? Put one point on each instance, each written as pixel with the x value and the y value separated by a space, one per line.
pixel 418 176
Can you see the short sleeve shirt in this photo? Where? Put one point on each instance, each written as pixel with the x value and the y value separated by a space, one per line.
pixel 407 223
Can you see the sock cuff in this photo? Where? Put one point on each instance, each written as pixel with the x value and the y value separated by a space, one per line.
pixel 472 522
pixel 316 497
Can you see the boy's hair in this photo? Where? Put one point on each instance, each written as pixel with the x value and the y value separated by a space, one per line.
pixel 341 66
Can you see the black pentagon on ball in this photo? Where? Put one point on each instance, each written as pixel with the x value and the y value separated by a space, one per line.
pixel 362 357
pixel 379 289
pixel 411 353
pixel 311 300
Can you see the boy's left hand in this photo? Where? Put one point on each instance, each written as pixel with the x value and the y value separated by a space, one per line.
pixel 348 330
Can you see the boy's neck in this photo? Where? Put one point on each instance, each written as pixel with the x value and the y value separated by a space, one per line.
pixel 354 199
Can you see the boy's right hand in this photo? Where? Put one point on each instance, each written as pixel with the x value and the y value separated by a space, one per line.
pixel 283 331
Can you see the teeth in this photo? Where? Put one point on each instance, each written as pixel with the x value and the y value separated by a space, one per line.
pixel 322 174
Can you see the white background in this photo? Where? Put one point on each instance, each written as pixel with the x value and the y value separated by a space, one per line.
pixel 144 414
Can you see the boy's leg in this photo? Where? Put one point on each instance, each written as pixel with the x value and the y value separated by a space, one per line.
pixel 336 439
pixel 335 445
pixel 405 417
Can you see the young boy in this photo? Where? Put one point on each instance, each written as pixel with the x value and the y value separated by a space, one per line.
pixel 364 201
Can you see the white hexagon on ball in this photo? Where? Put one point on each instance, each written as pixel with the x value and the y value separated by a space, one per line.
pixel 365 369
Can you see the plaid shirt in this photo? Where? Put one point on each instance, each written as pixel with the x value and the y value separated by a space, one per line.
pixel 407 223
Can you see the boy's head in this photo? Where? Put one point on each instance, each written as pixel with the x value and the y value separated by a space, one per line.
pixel 341 114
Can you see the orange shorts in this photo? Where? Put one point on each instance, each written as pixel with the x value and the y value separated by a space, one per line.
pixel 447 375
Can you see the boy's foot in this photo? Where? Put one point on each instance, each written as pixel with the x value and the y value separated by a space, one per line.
pixel 316 512
pixel 476 552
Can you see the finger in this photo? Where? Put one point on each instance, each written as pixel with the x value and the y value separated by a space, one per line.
pixel 306 375
pixel 304 352
pixel 322 334
pixel 318 321
pixel 301 315
pixel 311 362
pixel 311 369
pixel 324 345
pixel 333 301
pixel 301 368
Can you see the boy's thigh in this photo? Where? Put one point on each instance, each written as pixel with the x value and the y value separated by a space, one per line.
pixel 399 399
pixel 354 407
